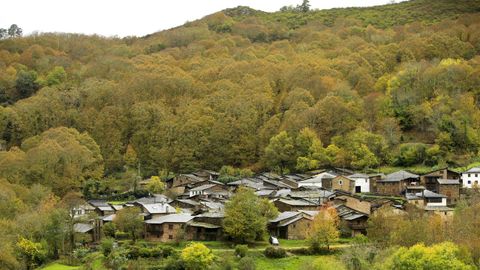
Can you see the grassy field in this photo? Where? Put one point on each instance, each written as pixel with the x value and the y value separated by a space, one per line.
pixel 225 249
pixel 58 266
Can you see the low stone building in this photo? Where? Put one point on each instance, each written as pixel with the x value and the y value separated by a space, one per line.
pixel 395 183
pixel 429 180
pixel 449 188
pixel 343 183
pixel 167 228
pixel 293 225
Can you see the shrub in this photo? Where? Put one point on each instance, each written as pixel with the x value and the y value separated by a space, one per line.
pixel 80 253
pixel 197 256
pixel 107 246
pixel 109 229
pixel 174 263
pixel 121 235
pixel 241 250
pixel 275 252
pixel 246 263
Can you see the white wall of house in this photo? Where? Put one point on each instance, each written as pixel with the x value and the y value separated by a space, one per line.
pixel 443 203
pixel 363 183
pixel 470 179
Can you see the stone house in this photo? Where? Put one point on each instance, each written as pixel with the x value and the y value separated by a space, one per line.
pixel 343 183
pixel 396 183
pixel 449 188
pixel 352 221
pixel 292 225
pixel 429 180
pixel 166 228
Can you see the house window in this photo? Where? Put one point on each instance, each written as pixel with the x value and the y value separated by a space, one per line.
pixel 170 236
pixel 170 226
pixel 476 175
pixel 468 175
pixel 366 180
pixel 469 182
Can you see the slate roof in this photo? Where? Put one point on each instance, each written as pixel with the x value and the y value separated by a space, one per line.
pixel 473 170
pixel 82 227
pixel 109 218
pixel 348 213
pixel 319 177
pixel 448 181
pixel 358 175
pixel 426 194
pixel 290 221
pixel 203 225
pixel 159 208
pixel 188 201
pixel 297 202
pixel 399 176
pixel 285 215
pixel 156 198
pixel 203 187
pixel 314 193
pixel 172 218
pixel 105 208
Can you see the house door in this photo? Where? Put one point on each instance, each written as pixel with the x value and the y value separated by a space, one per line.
pixel 358 189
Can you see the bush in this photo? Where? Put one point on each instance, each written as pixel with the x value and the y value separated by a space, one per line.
pixel 197 256
pixel 174 263
pixel 109 229
pixel 119 235
pixel 275 252
pixel 246 263
pixel 241 250
pixel 80 253
pixel 107 246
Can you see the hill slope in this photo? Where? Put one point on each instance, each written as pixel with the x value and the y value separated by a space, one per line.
pixel 396 84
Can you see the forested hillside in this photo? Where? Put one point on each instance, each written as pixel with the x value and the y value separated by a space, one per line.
pixel 287 91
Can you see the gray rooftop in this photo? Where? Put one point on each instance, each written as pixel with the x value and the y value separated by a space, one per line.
pixel 448 181
pixel 473 170
pixel 172 218
pixel 399 176
pixel 159 208
pixel 82 227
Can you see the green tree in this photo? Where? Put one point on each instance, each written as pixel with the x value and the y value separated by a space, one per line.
pixel 14 31
pixel 156 185
pixel 246 216
pixel 33 253
pixel 56 76
pixel 280 153
pixel 325 229
pixel 197 256
pixel 130 221
pixel 26 83
pixel 305 6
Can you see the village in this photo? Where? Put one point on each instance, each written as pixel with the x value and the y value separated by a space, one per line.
pixel 197 212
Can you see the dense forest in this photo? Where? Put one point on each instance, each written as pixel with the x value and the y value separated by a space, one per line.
pixel 240 91
pixel 288 91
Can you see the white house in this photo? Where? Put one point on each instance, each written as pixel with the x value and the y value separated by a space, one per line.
pixel 362 182
pixel 471 178
pixel 316 180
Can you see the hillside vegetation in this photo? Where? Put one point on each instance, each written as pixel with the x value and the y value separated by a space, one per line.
pixel 288 91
